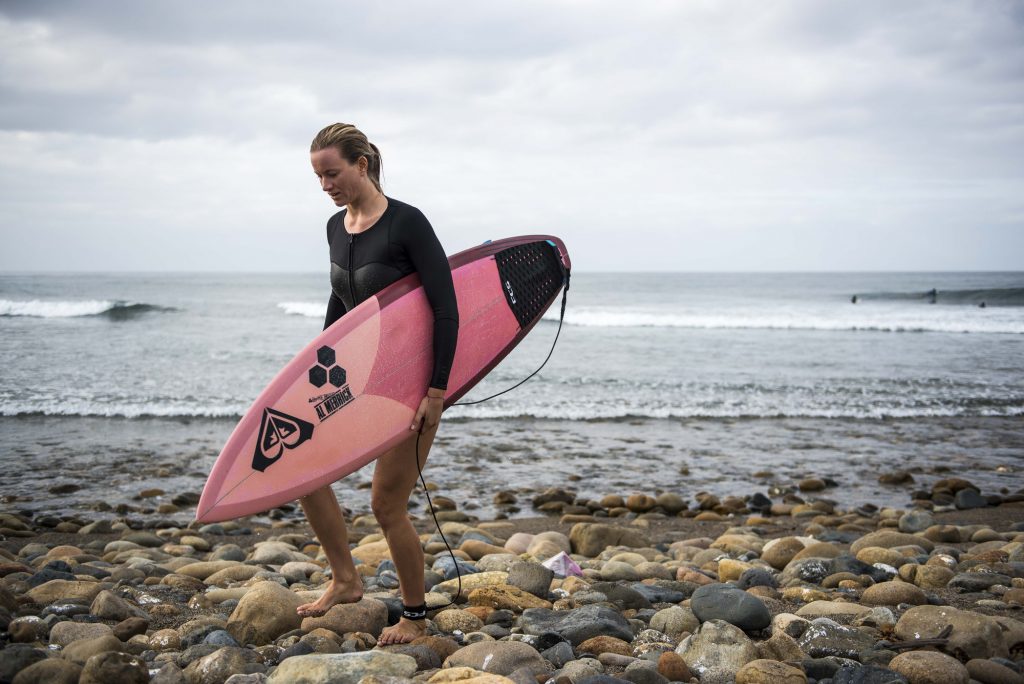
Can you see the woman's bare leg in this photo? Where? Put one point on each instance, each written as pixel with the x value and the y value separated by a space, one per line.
pixel 394 478
pixel 324 514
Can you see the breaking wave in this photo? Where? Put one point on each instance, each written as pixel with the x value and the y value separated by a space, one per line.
pixel 113 309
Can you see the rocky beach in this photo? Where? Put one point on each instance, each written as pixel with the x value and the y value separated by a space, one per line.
pixel 776 586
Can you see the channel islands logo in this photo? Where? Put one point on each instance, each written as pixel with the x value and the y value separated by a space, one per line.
pixel 326 370
pixel 278 431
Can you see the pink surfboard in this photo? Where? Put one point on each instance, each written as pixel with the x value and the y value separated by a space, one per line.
pixel 351 393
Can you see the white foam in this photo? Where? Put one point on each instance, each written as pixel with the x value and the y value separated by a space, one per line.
pixel 308 309
pixel 123 409
pixel 37 308
pixel 897 319
pixel 559 411
pixel 676 413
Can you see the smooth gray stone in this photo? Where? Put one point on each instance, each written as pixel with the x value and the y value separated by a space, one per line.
pixel 726 602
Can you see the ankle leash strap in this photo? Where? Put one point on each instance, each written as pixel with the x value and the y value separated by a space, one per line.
pixel 414 612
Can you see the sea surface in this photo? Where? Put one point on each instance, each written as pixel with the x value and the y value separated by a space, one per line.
pixel 673 381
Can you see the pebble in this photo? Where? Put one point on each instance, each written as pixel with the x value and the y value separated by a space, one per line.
pixel 991 672
pixel 930 667
pixel 63 633
pixel 770 672
pixel 672 667
pixel 825 637
pixel 728 603
pixel 969 498
pixel 453 620
pixel 717 650
pixel 51 671
pixel 605 644
pixel 265 612
pixel 367 615
pixel 499 657
pixel 342 668
pixel 179 603
pixel 113 666
pixel 531 577
pixel 80 651
pixel 973 635
pixel 675 621
pixel 892 594
pixel 576 625
pixel 590 539
pixel 779 552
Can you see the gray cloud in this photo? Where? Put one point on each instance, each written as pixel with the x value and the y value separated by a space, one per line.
pixel 741 135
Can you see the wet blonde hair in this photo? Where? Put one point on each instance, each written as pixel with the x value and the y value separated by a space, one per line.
pixel 351 144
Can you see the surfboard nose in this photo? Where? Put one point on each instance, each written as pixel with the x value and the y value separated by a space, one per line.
pixel 206 509
pixel 202 511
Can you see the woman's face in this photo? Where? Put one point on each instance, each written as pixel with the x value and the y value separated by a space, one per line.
pixel 338 178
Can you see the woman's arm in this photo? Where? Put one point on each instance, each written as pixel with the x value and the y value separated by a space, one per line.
pixel 428 257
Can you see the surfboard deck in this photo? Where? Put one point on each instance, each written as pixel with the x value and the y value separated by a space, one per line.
pixel 351 393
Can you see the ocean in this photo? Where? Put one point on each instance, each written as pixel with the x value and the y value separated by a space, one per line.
pixel 660 381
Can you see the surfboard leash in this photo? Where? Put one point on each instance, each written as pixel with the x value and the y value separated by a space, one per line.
pixel 419 470
pixel 561 317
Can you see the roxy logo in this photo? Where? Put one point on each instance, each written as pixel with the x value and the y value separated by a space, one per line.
pixel 511 294
pixel 278 431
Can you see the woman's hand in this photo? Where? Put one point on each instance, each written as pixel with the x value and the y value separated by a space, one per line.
pixel 429 413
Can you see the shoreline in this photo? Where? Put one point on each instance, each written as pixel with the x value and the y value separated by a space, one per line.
pixel 139 465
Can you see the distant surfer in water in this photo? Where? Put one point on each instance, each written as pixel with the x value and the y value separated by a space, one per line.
pixel 374 241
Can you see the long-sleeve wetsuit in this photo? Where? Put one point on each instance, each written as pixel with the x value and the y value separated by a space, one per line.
pixel 401 242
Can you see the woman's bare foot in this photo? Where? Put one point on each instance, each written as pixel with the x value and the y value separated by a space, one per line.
pixel 402 633
pixel 337 592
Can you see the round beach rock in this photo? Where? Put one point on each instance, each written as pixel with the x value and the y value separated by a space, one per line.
pixel 770 672
pixel 893 593
pixel 576 625
pixel 366 615
pixel 80 651
pixel 726 602
pixel 113 666
pixel 498 657
pixel 717 651
pixel 590 539
pixel 265 612
pixel 991 672
pixel 825 637
pixel 531 577
pixel 675 621
pixel 342 668
pixel 973 636
pixel 50 671
pixel 63 633
pixel 929 667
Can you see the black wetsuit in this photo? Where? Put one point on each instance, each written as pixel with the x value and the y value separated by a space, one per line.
pixel 399 243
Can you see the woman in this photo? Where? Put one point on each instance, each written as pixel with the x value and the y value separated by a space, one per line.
pixel 374 241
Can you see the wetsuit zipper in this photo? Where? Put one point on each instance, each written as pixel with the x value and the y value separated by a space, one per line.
pixel 351 282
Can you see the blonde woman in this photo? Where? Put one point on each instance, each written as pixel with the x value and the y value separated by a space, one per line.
pixel 374 241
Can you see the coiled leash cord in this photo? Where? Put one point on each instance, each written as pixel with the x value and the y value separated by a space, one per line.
pixel 455 562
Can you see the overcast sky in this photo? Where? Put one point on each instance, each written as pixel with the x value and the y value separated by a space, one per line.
pixel 675 135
